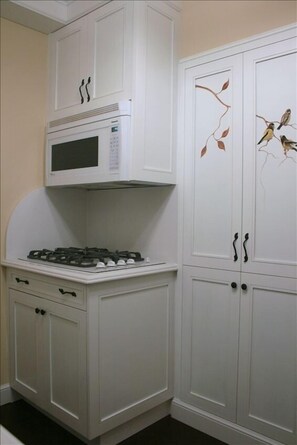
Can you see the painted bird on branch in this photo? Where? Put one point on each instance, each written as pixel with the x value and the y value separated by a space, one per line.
pixel 288 144
pixel 268 133
pixel 285 118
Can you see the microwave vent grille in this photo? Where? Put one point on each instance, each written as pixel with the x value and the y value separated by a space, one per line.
pixel 86 114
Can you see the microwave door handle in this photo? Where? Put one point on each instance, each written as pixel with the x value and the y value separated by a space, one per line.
pixel 81 96
pixel 88 95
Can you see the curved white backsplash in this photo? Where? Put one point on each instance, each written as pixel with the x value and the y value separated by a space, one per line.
pixel 131 219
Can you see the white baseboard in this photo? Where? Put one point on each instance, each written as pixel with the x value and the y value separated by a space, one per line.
pixel 214 426
pixel 144 420
pixel 7 395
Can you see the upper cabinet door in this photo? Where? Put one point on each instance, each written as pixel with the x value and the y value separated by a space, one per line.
pixel 213 164
pixel 110 41
pixel 68 69
pixel 91 61
pixel 270 159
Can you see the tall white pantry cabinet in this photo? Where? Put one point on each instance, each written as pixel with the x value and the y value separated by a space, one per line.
pixel 239 305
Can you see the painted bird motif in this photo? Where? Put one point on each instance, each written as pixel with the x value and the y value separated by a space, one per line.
pixel 285 118
pixel 288 144
pixel 268 133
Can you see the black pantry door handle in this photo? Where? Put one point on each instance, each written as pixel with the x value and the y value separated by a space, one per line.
pixel 88 95
pixel 81 96
pixel 18 280
pixel 64 292
pixel 235 251
pixel 246 237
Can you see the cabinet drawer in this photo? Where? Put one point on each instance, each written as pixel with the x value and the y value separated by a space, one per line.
pixel 63 291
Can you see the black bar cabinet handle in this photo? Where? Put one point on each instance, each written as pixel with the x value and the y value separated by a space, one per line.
pixel 18 280
pixel 235 251
pixel 246 237
pixel 81 96
pixel 64 292
pixel 88 95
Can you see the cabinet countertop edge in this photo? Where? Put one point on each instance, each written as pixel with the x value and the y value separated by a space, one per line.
pixel 89 278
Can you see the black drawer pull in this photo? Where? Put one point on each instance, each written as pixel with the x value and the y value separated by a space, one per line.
pixel 88 95
pixel 64 292
pixel 246 237
pixel 37 310
pixel 42 312
pixel 233 285
pixel 18 280
pixel 235 251
pixel 81 96
pixel 244 286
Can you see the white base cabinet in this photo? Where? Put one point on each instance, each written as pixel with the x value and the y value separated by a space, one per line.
pixel 210 340
pixel 267 386
pixel 92 356
pixel 239 349
pixel 48 356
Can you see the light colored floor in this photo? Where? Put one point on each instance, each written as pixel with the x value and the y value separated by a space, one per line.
pixel 6 438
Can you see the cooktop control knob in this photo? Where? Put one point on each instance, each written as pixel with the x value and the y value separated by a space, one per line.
pixel 111 263
pixel 130 261
pixel 121 263
pixel 100 264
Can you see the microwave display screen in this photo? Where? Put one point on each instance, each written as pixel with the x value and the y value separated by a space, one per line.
pixel 71 155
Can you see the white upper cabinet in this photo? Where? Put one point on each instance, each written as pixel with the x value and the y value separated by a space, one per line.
pixel 240 193
pixel 123 51
pixel 110 30
pixel 67 73
pixel 270 170
pixel 213 158
pixel 90 61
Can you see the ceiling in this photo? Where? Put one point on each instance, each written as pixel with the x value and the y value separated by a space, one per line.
pixel 46 16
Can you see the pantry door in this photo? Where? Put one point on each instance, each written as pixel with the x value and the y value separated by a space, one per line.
pixel 270 162
pixel 213 164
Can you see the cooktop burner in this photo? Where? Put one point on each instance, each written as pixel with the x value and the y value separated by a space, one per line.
pixel 90 259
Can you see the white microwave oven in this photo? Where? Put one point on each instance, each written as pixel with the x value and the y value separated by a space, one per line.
pixel 89 154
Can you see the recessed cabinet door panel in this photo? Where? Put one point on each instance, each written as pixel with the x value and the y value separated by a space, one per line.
pixel 66 368
pixel 68 65
pixel 212 145
pixel 210 340
pixel 158 79
pixel 25 336
pixel 134 353
pixel 270 160
pixel 111 49
pixel 267 391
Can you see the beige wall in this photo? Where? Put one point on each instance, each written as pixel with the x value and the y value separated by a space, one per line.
pixel 23 117
pixel 209 24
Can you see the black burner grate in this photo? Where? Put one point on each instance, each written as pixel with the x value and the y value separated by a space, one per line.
pixel 83 257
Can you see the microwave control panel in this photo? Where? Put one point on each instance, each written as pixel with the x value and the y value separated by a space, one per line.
pixel 114 147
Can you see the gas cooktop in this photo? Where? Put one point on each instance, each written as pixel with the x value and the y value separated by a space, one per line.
pixel 90 259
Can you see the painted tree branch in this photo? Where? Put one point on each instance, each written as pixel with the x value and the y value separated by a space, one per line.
pixel 220 143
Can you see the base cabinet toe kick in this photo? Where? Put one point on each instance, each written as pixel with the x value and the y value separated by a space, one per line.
pixel 96 362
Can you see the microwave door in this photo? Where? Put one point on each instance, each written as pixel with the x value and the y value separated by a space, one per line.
pixel 75 154
pixel 85 155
